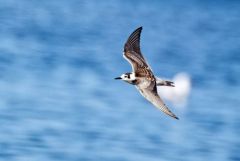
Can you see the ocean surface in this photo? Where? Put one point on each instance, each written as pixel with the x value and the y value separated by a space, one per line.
pixel 59 101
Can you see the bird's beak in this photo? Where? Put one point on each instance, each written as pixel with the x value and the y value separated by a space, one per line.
pixel 118 78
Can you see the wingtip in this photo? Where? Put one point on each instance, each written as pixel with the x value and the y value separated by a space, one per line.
pixel 140 28
pixel 176 118
pixel 173 116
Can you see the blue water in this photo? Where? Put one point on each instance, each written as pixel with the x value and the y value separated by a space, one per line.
pixel 58 99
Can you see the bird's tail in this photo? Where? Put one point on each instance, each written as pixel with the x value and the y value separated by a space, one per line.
pixel 161 82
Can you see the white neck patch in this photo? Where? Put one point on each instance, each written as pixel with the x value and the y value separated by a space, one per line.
pixel 132 76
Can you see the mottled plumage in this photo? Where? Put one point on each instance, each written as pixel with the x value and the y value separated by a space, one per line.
pixel 142 76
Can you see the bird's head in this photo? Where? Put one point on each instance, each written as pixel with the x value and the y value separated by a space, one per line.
pixel 127 77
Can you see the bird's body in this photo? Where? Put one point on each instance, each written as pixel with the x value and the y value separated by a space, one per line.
pixel 142 76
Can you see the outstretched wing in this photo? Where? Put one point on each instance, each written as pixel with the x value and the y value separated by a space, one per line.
pixel 132 52
pixel 151 95
pixel 133 43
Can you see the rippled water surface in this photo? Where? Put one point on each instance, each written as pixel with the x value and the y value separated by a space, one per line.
pixel 58 99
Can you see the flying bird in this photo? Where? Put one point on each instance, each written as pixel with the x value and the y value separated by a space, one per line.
pixel 142 75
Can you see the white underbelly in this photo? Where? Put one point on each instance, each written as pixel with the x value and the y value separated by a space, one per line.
pixel 143 93
pixel 144 84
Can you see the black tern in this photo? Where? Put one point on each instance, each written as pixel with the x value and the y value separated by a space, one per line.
pixel 142 76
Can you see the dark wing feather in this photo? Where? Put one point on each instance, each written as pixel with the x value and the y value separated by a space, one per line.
pixel 132 53
pixel 133 42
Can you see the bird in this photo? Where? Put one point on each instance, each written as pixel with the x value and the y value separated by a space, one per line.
pixel 142 76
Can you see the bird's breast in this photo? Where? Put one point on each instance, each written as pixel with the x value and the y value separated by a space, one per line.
pixel 143 83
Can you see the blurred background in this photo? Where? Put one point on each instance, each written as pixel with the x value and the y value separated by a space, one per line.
pixel 59 101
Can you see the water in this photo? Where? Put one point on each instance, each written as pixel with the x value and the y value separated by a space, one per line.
pixel 58 99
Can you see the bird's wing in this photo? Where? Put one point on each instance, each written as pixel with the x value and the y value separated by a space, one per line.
pixel 133 42
pixel 151 95
pixel 132 52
